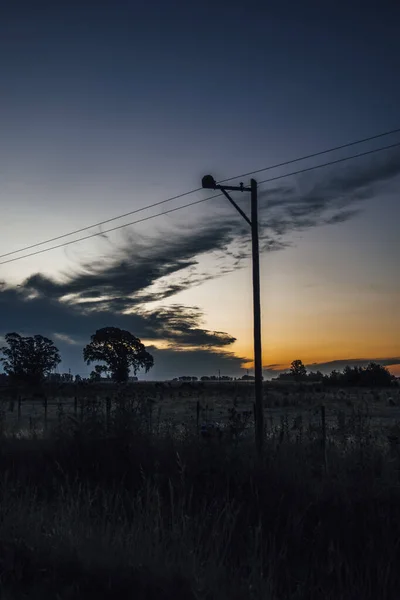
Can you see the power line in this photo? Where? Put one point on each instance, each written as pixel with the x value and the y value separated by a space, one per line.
pixel 196 202
pixel 294 160
pixel 332 162
pixel 131 212
pixel 138 210
pixel 87 237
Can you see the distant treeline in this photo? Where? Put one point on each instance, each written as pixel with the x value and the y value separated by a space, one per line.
pixel 33 360
pixel 373 375
pixel 214 378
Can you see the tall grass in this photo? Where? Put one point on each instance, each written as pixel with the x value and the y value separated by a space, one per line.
pixel 108 509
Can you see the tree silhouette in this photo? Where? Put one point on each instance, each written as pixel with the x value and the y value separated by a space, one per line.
pixel 374 375
pixel 29 359
pixel 120 350
pixel 298 370
pixel 94 376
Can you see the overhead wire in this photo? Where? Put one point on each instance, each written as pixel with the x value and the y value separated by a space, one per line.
pixel 307 169
pixel 87 237
pixel 331 162
pixel 313 155
pixel 131 212
pixel 149 206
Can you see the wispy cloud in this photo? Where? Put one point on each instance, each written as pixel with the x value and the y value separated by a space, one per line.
pixel 195 362
pixel 140 270
pixel 62 337
pixel 119 288
pixel 307 202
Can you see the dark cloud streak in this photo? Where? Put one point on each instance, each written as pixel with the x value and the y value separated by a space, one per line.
pixel 117 289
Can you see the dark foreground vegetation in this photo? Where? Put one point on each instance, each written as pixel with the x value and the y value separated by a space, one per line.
pixel 99 510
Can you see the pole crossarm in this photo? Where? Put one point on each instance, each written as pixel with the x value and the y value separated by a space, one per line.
pixel 245 217
pixel 232 188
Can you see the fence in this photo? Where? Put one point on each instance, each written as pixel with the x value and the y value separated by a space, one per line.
pixel 22 414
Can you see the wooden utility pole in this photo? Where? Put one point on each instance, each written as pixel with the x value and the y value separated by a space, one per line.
pixel 259 425
pixel 208 182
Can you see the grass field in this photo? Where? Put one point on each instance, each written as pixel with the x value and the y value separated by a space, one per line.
pixel 178 405
pixel 118 502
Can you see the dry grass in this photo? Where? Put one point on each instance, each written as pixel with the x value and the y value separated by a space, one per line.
pixel 178 405
pixel 149 514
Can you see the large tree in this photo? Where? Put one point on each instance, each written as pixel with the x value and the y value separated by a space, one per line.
pixel 29 359
pixel 298 370
pixel 120 350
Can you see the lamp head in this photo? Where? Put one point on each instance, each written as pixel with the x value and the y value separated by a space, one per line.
pixel 208 182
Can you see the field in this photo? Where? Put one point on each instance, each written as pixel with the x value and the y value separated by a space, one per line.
pixel 186 405
pixel 108 492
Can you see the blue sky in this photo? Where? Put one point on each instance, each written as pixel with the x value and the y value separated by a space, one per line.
pixel 107 107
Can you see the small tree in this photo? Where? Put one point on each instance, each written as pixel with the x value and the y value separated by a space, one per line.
pixel 120 350
pixel 67 377
pixel 29 359
pixel 317 376
pixel 298 370
pixel 95 376
pixel 376 375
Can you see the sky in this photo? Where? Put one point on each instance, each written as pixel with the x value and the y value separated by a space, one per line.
pixel 108 107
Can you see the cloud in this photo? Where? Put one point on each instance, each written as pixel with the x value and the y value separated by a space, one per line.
pixel 176 324
pixel 134 266
pixel 342 217
pixel 140 270
pixel 62 337
pixel 191 349
pixel 181 325
pixel 194 363
pixel 117 288
pixel 116 291
pixel 304 203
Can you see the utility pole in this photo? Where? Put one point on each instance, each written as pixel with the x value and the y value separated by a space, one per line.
pixel 208 182
pixel 257 319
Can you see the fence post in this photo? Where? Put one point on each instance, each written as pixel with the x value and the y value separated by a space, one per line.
pixel 158 419
pixel 76 407
pixel 323 421
pixel 82 407
pixel 197 416
pixel 45 412
pixel 19 408
pixel 60 413
pixel 150 417
pixel 108 413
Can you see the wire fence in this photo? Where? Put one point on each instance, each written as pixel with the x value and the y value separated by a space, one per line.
pixel 322 424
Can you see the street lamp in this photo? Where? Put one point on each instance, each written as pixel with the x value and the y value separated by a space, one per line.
pixel 209 183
